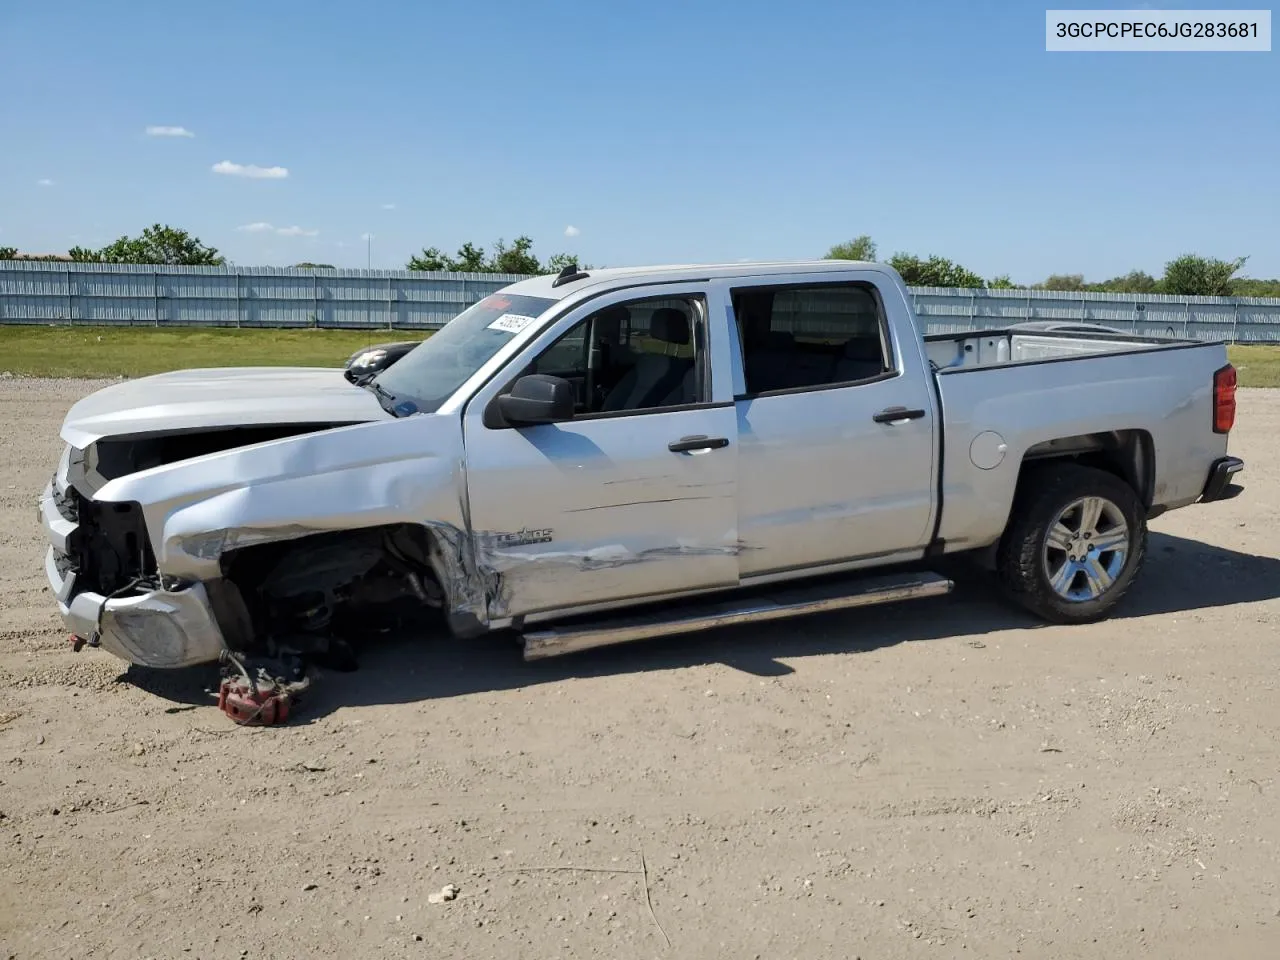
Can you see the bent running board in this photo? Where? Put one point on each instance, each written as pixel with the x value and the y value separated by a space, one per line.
pixel 798 601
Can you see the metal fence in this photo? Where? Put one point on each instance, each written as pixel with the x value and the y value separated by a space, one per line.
pixel 1235 319
pixel 83 293
pixel 123 294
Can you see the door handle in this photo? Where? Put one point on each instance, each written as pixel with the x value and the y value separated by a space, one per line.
pixel 689 444
pixel 896 414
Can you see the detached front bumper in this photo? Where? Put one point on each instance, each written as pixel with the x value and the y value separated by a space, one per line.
pixel 1219 486
pixel 158 628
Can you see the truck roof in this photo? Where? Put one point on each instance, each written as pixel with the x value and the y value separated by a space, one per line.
pixel 545 286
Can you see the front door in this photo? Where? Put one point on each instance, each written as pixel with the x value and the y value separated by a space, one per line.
pixel 633 498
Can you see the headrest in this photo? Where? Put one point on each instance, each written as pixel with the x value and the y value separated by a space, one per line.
pixel 863 348
pixel 669 325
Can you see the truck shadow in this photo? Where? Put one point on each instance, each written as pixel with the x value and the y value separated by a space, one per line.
pixel 1180 576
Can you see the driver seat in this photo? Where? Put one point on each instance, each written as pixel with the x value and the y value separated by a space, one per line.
pixel 656 380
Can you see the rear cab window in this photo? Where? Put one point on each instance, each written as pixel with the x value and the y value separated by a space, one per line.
pixel 806 337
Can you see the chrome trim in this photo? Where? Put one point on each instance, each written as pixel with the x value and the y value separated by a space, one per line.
pixel 803 601
pixel 57 529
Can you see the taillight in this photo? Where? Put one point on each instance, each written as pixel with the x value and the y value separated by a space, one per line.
pixel 1224 399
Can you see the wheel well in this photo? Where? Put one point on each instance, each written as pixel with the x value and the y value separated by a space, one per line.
pixel 1127 454
pixel 369 565
pixel 402 535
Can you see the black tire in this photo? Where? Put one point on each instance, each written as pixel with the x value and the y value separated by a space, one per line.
pixel 1024 556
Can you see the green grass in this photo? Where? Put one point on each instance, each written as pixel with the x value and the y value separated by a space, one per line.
pixel 1258 366
pixel 135 351
pixel 47 351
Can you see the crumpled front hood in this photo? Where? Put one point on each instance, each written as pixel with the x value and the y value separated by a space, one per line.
pixel 231 396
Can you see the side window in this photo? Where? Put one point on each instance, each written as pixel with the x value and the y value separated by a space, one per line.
pixel 810 336
pixel 567 357
pixel 639 355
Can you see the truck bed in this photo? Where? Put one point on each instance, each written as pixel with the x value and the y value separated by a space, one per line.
pixel 1006 396
pixel 1000 347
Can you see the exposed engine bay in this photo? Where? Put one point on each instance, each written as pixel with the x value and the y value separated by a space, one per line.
pixel 113 457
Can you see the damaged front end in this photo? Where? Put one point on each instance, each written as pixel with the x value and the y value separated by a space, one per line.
pixel 266 520
pixel 286 592
pixel 101 565
pixel 102 571
pixel 279 605
pixel 280 542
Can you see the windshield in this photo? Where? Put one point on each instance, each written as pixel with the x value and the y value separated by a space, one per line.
pixel 429 374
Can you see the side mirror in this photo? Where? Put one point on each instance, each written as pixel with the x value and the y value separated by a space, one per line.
pixel 538 398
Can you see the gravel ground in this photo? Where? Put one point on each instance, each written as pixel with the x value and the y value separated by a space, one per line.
pixel 938 779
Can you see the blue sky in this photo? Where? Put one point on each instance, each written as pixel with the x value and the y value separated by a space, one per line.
pixel 658 131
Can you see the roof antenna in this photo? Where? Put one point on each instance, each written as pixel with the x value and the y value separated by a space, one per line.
pixel 569 274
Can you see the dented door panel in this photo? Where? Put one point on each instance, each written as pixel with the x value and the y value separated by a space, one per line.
pixel 600 509
pixel 578 513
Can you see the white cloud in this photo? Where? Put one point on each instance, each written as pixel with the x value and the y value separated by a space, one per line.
pixel 44 182
pixel 262 226
pixel 571 231
pixel 388 206
pixel 169 132
pixel 251 170
pixel 366 237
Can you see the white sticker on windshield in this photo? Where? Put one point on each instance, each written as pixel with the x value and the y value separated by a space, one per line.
pixel 511 323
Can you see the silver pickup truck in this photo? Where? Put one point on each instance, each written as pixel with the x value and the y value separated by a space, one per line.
pixel 601 456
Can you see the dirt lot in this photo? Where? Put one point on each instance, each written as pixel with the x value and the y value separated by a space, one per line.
pixel 939 779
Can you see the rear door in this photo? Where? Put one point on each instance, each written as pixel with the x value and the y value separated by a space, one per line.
pixel 633 498
pixel 837 425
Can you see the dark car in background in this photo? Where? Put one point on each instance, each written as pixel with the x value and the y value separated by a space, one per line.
pixel 369 361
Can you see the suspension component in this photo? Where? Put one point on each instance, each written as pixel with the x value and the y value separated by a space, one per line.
pixel 257 693
pixel 252 706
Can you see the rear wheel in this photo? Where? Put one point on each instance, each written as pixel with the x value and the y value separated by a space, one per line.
pixel 1075 541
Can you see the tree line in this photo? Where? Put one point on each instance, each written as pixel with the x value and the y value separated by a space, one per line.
pixel 1188 275
pixel 517 258
pixel 173 246
pixel 157 244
